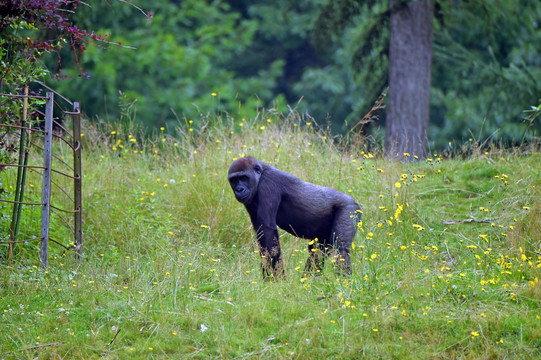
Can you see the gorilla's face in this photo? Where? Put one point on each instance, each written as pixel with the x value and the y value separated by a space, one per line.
pixel 244 179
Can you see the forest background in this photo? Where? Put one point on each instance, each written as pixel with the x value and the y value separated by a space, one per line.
pixel 179 61
pixel 197 57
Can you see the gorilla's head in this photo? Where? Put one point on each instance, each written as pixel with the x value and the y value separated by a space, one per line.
pixel 243 177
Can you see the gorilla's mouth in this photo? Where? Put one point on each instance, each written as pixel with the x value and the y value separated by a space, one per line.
pixel 243 197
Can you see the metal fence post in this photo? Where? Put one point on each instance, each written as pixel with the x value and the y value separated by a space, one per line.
pixel 21 174
pixel 77 184
pixel 46 188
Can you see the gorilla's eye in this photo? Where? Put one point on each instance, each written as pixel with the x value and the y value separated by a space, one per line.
pixel 257 169
pixel 243 178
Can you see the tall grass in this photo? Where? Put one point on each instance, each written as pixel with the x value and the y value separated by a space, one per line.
pixel 446 262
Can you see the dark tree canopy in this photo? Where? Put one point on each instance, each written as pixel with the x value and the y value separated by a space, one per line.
pixel 334 55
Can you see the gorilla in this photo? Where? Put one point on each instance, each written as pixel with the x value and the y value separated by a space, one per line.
pixel 274 198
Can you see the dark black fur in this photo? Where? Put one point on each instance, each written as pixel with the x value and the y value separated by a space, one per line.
pixel 275 198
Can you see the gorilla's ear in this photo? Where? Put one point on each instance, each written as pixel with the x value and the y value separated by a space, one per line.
pixel 258 169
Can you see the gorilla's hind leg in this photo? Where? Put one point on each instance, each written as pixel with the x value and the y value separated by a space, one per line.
pixel 316 258
pixel 342 233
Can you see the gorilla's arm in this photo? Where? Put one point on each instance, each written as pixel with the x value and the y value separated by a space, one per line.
pixel 263 215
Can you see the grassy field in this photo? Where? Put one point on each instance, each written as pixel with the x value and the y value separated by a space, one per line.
pixel 446 263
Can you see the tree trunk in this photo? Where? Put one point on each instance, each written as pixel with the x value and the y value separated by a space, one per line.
pixel 410 63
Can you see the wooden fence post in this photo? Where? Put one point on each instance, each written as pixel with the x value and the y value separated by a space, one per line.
pixel 46 188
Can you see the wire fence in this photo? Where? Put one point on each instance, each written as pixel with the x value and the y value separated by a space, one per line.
pixel 31 136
